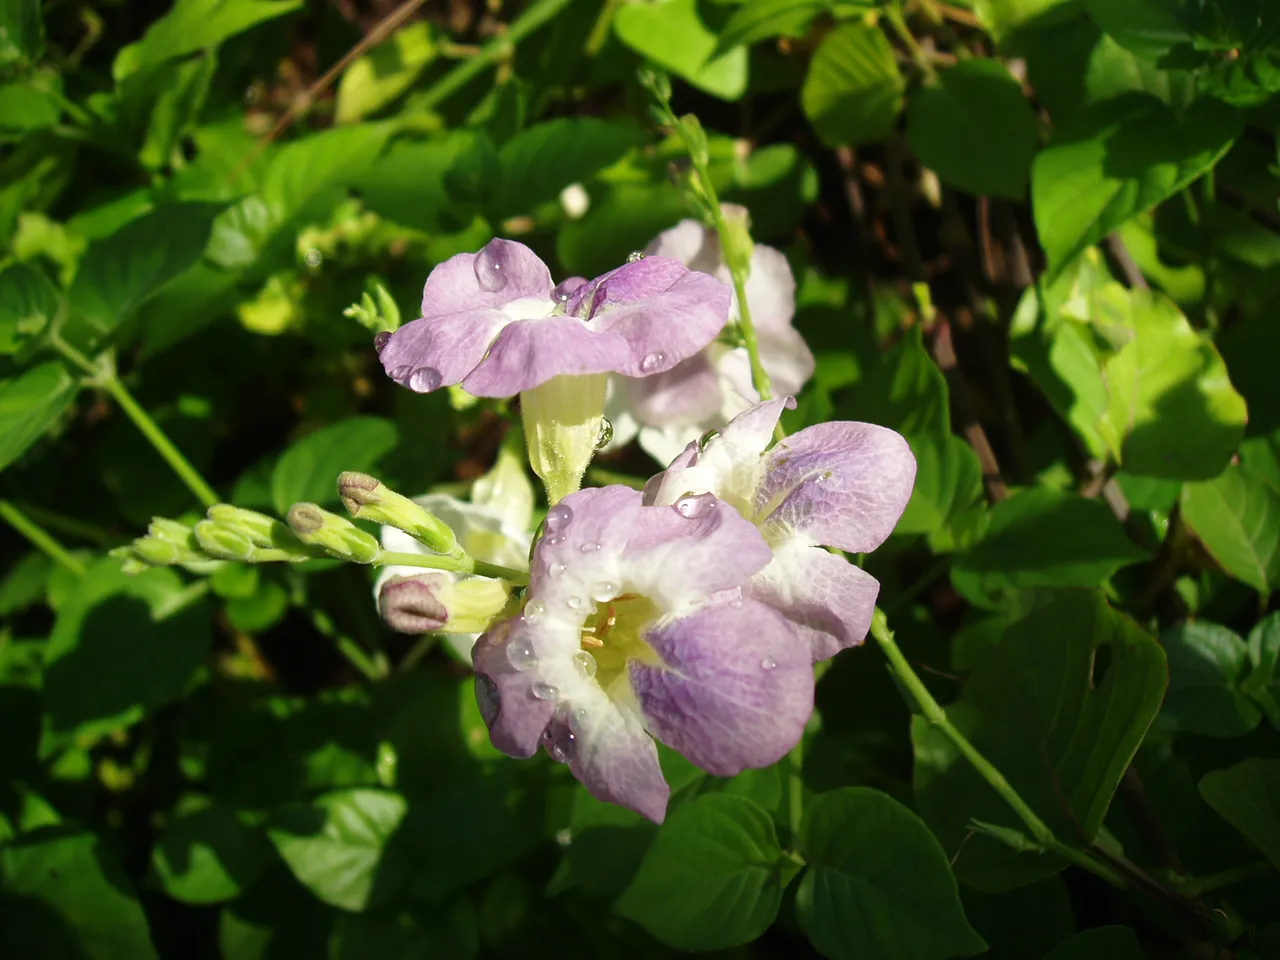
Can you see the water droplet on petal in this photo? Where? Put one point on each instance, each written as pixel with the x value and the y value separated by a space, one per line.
pixel 425 379
pixel 543 691
pixel 589 547
pixel 381 339
pixel 694 505
pixel 823 477
pixel 573 603
pixel 606 434
pixel 552 541
pixel 558 518
pixel 488 270
pixel 564 289
pixel 559 741
pixel 652 362
pixel 768 663
pixel 521 655
pixel 635 256
pixel 707 437
pixel 534 610
pixel 400 374
pixel 604 591
pixel 556 569
pixel 579 713
pixel 585 662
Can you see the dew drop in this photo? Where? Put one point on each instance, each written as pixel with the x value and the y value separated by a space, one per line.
pixel 552 541
pixel 605 435
pixel 694 505
pixel 768 663
pixel 635 256
pixel 488 270
pixel 558 518
pixel 400 374
pixel 521 655
pixel 589 547
pixel 652 362
pixel 381 339
pixel 564 289
pixel 585 662
pixel 543 691
pixel 534 610
pixel 559 742
pixel 823 477
pixel 556 569
pixel 604 591
pixel 579 713
pixel 425 379
pixel 573 603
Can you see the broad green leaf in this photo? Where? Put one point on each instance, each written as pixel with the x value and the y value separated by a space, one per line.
pixel 121 272
pixel 672 34
pixel 313 165
pixel 174 110
pixel 948 483
pixel 1263 683
pixel 30 404
pixel 1005 18
pixel 607 844
pixel 975 129
pixel 864 851
pixel 1207 664
pixel 21 31
pixel 209 855
pixel 853 91
pixel 196 25
pixel 1045 537
pixel 1044 918
pixel 339 846
pixel 1237 518
pixel 1100 943
pixel 900 388
pixel 385 72
pixel 122 646
pixel 27 303
pixel 25 107
pixel 538 163
pixel 62 894
pixel 1115 161
pixel 1247 796
pixel 406 184
pixel 308 470
pixel 1150 27
pixel 713 877
pixel 1061 738
pixel 259 611
pixel 758 20
pixel 24 584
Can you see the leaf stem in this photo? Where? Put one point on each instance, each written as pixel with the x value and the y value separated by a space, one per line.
pixel 463 564
pixel 894 16
pixel 600 29
pixel 1224 878
pixel 40 538
pixel 937 717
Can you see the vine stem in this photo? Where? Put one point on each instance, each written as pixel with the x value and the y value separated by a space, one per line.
pixel 937 717
pixel 464 564
pixel 40 538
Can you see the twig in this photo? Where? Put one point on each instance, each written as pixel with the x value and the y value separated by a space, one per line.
pixel 945 355
pixel 1124 260
pixel 40 538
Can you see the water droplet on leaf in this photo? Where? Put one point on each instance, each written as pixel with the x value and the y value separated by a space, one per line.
pixel 694 505
pixel 425 379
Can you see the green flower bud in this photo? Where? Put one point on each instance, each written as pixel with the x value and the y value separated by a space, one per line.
pixel 436 603
pixel 225 543
pixel 563 423
pixel 159 553
pixel 170 531
pixel 262 530
pixel 370 499
pixel 339 537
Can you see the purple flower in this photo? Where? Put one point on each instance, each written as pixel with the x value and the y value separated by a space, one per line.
pixel 840 484
pixel 714 385
pixel 493 322
pixel 636 627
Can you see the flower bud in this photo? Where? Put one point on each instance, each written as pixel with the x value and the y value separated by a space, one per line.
pixel 170 531
pixel 563 422
pixel 222 542
pixel 159 553
pixel 339 537
pixel 369 499
pixel 436 603
pixel 736 243
pixel 262 530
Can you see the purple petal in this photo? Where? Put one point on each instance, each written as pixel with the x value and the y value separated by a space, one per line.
pixel 687 393
pixel 515 717
pixel 828 600
pixel 840 484
pixel 693 245
pixel 629 283
pixel 502 271
pixel 735 690
pixel 439 351
pixel 610 752
pixel 409 604
pixel 530 352
pixel 665 329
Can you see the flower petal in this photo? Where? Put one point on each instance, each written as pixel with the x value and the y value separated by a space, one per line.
pixel 502 271
pixel 828 600
pixel 439 351
pixel 530 352
pixel 688 393
pixel 693 245
pixel 515 717
pixel 735 690
pixel 609 751
pixel 840 484
pixel 665 329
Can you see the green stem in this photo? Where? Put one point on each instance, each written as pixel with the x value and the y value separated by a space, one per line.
pixel 937 717
pixel 373 667
pixel 455 564
pixel 39 537
pixel 1225 878
pixel 600 30
pixel 69 525
pixel 894 16
pixel 501 46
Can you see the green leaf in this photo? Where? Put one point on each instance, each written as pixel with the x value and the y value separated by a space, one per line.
pixel 314 165
pixel 1237 518
pixel 1148 27
pixel 63 894
pixel 1005 18
pixel 21 31
pixel 865 850
pixel 538 163
pixel 28 302
pixel 900 388
pixel 259 611
pixel 1061 736
pixel 672 34
pixel 406 184
pixel 713 877
pixel 122 646
pixel 853 91
pixel 406 933
pixel 1100 943
pixel 338 846
pixel 209 855
pixel 1115 161
pixel 30 404
pixel 1045 537
pixel 25 107
pixel 196 25
pixel 121 272
pixel 175 106
pixel 1247 796
pixel 1044 918
pixel 385 72
pixel 1206 666
pixel 308 470
pixel 758 20
pixel 948 483
pixel 975 129
pixel 1263 683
